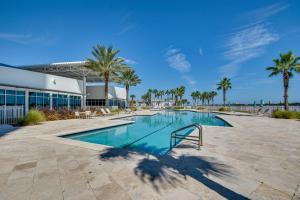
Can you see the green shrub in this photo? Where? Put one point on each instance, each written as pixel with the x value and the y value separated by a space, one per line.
pixel 33 117
pixel 224 109
pixel 133 108
pixel 200 108
pixel 146 107
pixel 285 114
pixel 178 107
pixel 116 110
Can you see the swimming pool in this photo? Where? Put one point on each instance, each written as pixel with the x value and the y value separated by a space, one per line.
pixel 149 134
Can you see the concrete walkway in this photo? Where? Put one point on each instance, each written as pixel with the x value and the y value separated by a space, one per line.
pixel 258 158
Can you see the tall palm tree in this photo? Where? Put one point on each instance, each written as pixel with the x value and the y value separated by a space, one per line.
pixel 107 63
pixel 205 97
pixel 161 94
pixel 167 93
pixel 224 85
pixel 194 96
pixel 155 92
pixel 147 98
pixel 150 91
pixel 212 95
pixel 128 78
pixel 132 96
pixel 285 65
pixel 172 92
pixel 180 92
pixel 198 95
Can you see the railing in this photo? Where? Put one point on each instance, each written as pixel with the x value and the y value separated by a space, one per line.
pixel 251 108
pixel 198 138
pixel 11 114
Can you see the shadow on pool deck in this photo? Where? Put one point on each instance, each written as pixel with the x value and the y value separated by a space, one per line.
pixel 159 170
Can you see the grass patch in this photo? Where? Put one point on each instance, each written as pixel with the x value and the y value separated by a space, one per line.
pixel 224 109
pixel 33 117
pixel 285 114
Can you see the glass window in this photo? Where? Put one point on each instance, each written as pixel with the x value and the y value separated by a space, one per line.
pixel 39 100
pixel 10 100
pixel 21 93
pixel 2 100
pixel 2 91
pixel 10 92
pixel 20 100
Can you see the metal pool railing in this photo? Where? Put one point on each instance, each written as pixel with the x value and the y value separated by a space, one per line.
pixel 11 114
pixel 198 138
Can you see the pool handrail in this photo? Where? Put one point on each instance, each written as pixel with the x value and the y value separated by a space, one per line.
pixel 174 135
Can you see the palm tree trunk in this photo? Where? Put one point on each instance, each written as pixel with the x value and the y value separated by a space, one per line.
pixel 127 93
pixel 106 92
pixel 224 97
pixel 286 88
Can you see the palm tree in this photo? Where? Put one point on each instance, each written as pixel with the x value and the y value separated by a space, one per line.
pixel 107 64
pixel 161 94
pixel 132 96
pixel 224 85
pixel 172 92
pixel 205 97
pixel 198 95
pixel 285 65
pixel 167 93
pixel 150 91
pixel 155 92
pixel 212 95
pixel 180 92
pixel 147 98
pixel 194 96
pixel 128 78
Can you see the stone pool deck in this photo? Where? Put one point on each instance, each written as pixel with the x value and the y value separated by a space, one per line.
pixel 258 158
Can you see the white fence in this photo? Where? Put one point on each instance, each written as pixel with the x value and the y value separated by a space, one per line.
pixel 11 114
pixel 253 108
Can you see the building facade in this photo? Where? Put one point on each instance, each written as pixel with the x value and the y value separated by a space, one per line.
pixel 22 89
pixel 96 96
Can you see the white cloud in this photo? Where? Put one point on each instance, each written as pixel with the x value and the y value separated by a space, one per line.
pixel 251 40
pixel 127 28
pixel 130 61
pixel 18 38
pixel 189 80
pixel 200 51
pixel 28 38
pixel 245 45
pixel 177 60
pixel 262 14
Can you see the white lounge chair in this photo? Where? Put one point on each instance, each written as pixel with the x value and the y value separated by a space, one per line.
pixel 88 114
pixel 77 115
pixel 103 111
pixel 108 111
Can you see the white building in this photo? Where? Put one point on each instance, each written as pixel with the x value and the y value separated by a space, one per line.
pixel 96 97
pixel 51 86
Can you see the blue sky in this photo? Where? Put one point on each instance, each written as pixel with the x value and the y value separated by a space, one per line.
pixel 169 43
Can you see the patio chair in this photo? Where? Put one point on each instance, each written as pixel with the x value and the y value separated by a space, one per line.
pixel 88 114
pixel 77 115
pixel 103 112
pixel 108 111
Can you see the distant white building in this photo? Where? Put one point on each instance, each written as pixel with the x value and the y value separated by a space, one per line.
pixel 52 86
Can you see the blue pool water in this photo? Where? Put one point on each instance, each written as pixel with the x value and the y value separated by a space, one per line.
pixel 149 134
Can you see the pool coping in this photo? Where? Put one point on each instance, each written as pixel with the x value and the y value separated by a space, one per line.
pixel 58 137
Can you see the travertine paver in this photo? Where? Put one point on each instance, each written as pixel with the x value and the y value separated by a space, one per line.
pixel 258 158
